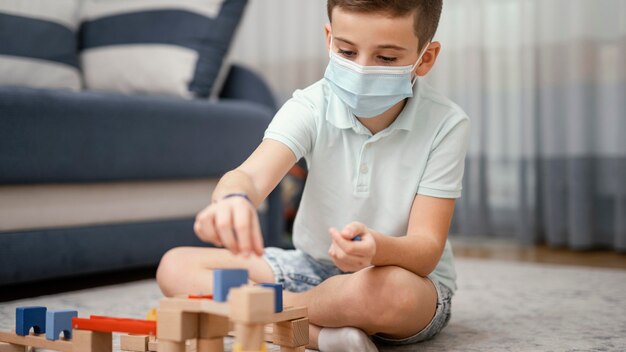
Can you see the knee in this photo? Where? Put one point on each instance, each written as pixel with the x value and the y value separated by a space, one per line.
pixel 170 267
pixel 385 293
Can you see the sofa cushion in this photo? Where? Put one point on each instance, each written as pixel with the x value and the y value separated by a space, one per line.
pixel 61 136
pixel 164 47
pixel 38 43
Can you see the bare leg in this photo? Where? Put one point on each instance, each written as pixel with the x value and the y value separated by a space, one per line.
pixel 188 270
pixel 385 300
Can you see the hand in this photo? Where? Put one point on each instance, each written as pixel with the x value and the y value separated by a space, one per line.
pixel 349 255
pixel 232 223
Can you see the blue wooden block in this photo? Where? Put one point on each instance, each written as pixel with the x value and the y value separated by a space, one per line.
pixel 278 295
pixel 225 279
pixel 58 321
pixel 357 238
pixel 30 317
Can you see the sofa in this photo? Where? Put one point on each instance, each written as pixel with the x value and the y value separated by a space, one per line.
pixel 94 180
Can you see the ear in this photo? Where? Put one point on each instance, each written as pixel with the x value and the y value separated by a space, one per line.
pixel 327 31
pixel 429 59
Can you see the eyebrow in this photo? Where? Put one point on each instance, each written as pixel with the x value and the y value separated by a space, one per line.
pixel 383 46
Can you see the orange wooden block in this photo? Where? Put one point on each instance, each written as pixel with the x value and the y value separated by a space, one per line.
pixel 111 324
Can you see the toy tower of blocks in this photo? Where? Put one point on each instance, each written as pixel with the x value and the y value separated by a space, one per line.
pixel 249 308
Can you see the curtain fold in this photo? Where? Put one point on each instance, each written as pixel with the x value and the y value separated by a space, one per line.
pixel 544 82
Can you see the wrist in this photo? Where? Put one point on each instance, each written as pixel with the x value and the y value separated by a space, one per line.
pixel 235 194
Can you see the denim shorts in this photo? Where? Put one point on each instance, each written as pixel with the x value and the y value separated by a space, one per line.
pixel 299 272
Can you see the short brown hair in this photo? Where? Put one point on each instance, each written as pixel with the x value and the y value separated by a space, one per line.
pixel 428 12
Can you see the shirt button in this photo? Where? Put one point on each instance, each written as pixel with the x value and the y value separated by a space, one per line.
pixel 364 168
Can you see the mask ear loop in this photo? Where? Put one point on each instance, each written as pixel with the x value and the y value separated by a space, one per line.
pixel 416 63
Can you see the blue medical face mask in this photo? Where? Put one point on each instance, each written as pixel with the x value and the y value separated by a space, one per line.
pixel 368 91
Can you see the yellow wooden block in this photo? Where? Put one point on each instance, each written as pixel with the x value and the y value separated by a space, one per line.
pixel 251 337
pixel 291 333
pixel 176 325
pixel 134 342
pixel 212 326
pixel 91 341
pixel 251 304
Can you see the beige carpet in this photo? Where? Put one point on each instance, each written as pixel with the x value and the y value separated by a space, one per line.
pixel 500 306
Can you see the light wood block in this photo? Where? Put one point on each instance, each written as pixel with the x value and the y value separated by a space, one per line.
pixel 288 313
pixel 212 326
pixel 292 349
pixel 251 304
pixel 91 341
pixel 170 346
pixel 211 345
pixel 175 325
pixel 291 333
pixel 134 342
pixel 195 305
pixel 250 336
pixel 152 344
pixel 7 347
pixel 38 341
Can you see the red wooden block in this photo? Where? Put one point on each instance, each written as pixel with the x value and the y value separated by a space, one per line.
pixel 111 324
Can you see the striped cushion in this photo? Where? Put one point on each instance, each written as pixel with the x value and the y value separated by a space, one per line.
pixel 163 47
pixel 38 43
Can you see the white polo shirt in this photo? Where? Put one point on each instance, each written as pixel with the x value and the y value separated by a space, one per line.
pixel 373 179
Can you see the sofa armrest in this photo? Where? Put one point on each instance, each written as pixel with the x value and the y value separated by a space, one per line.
pixel 244 84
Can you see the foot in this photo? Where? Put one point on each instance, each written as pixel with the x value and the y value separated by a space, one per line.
pixel 346 339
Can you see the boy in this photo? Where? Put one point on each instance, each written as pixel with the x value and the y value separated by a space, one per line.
pixel 385 155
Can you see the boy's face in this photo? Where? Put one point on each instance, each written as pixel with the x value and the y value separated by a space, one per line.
pixel 372 39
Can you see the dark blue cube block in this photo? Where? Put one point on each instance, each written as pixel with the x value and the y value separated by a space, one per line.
pixel 30 317
pixel 225 279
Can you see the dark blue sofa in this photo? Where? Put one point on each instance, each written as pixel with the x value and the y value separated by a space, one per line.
pixel 51 139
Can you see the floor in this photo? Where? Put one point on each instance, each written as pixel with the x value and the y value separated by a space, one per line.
pixel 510 298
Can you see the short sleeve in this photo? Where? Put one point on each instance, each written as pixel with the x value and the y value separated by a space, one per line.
pixel 443 175
pixel 295 125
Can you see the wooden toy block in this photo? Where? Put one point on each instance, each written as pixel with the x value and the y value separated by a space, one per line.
pixel 171 346
pixel 292 349
pixel 278 295
pixel 111 324
pixel 30 317
pixel 251 304
pixel 211 326
pixel 211 345
pixel 7 347
pixel 176 325
pixel 288 313
pixel 152 344
pixel 225 279
pixel 37 341
pixel 58 321
pixel 291 333
pixel 249 336
pixel 195 305
pixel 91 341
pixel 134 342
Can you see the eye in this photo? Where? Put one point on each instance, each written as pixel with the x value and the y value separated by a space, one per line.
pixel 387 59
pixel 346 53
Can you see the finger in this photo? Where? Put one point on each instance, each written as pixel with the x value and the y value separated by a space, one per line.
pixel 346 260
pixel 353 229
pixel 205 226
pixel 224 227
pixel 257 235
pixel 347 246
pixel 242 224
